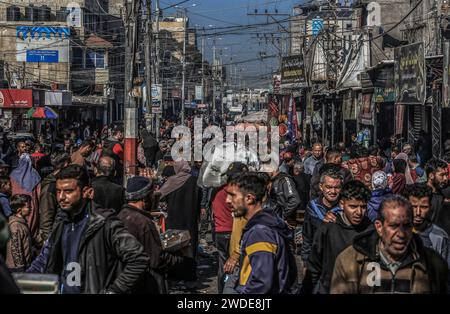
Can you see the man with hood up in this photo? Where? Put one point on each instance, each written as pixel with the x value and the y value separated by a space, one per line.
pixel 332 238
pixel 267 263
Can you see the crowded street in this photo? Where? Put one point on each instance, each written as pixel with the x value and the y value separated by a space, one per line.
pixel 195 148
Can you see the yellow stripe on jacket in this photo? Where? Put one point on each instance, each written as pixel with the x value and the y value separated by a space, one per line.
pixel 246 268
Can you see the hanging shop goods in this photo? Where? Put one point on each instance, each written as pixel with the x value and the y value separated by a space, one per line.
pixel 367 109
pixel 292 119
pixel 409 75
pixel 399 119
pixel 363 168
pixel 446 76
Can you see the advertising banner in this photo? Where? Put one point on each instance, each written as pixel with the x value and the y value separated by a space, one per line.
pixel 446 78
pixel 410 74
pixel 16 98
pixel 293 70
pixel 42 44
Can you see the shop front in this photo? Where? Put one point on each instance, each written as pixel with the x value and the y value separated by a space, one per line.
pixel 14 103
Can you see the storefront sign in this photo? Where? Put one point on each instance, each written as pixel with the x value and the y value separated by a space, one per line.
pixel 58 98
pixel 198 92
pixel 16 98
pixel 409 77
pixel 381 95
pixel 446 76
pixel 156 96
pixel 366 110
pixel 276 84
pixel 42 44
pixel 293 70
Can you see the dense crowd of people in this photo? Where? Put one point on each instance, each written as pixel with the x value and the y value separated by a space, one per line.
pixel 322 222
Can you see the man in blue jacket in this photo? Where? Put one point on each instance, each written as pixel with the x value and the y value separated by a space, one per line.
pixel 267 263
pixel 321 210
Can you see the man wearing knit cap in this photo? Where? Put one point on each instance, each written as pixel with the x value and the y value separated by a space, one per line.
pixel 136 215
pixel 380 191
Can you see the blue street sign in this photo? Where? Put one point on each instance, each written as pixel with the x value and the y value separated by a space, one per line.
pixel 42 56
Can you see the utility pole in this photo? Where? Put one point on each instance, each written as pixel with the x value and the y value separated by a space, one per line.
pixel 184 69
pixel 148 72
pixel 157 80
pixel 214 79
pixel 131 112
pixel 203 69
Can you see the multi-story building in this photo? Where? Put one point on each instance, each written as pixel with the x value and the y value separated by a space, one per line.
pixel 173 30
pixel 323 33
pixel 64 50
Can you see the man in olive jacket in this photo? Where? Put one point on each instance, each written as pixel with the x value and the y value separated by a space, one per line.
pixel 89 248
pixel 390 259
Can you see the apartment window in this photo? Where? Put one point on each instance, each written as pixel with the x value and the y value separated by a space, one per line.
pixel 95 59
pixel 77 57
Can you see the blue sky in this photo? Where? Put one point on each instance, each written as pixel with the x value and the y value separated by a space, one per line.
pixel 248 44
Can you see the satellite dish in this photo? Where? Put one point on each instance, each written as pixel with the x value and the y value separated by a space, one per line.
pixel 374 14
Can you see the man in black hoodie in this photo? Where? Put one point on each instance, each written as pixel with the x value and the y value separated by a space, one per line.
pixel 332 238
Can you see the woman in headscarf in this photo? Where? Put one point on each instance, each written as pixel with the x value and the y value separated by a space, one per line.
pixel 399 178
pixel 26 180
pixel 183 198
pixel 408 176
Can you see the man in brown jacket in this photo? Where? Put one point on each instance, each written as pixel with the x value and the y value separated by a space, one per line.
pixel 19 249
pixel 390 259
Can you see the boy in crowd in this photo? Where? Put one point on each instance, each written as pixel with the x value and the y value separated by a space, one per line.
pixel 19 249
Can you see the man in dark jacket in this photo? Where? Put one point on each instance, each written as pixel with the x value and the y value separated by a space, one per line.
pixel 434 237
pixel 48 204
pixel 302 184
pixel 321 210
pixel 107 194
pixel 89 248
pixel 137 218
pixel 390 259
pixel 150 146
pixel 267 263
pixel 284 193
pixel 332 238
pixel 13 158
pixel 437 180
